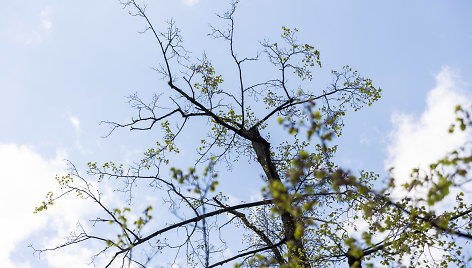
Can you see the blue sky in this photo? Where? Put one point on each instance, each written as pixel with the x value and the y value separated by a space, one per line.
pixel 66 65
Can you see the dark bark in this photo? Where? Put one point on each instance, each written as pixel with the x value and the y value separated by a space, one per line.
pixel 262 150
pixel 354 261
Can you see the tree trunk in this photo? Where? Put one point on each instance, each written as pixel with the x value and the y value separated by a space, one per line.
pixel 295 246
pixel 353 261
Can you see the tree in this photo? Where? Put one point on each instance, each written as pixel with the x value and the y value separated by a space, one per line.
pixel 312 211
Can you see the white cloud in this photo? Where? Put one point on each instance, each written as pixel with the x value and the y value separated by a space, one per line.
pixel 26 178
pixel 25 181
pixel 75 122
pixel 416 142
pixel 419 141
pixel 34 30
pixel 80 257
pixel 45 16
pixel 191 3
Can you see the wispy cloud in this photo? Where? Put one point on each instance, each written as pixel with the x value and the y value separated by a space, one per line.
pixel 35 29
pixel 45 16
pixel 191 3
pixel 75 122
pixel 416 142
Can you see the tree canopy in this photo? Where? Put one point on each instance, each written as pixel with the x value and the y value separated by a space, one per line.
pixel 313 212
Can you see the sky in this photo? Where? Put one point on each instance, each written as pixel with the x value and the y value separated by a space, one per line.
pixel 67 65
